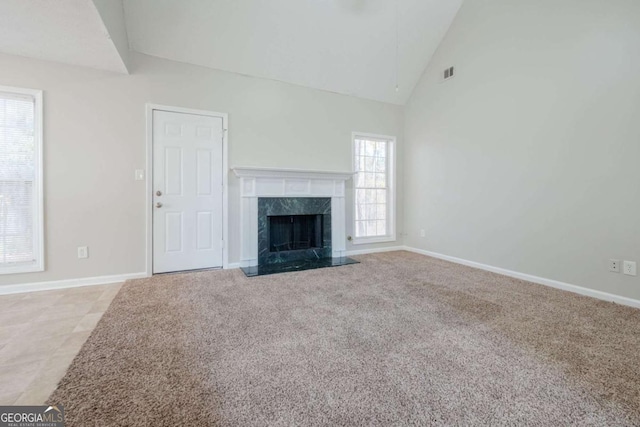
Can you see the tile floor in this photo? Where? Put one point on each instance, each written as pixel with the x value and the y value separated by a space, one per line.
pixel 40 334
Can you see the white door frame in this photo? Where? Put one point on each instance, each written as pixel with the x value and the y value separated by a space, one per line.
pixel 149 178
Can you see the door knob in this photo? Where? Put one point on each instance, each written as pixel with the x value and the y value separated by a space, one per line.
pixel 158 205
pixel 158 193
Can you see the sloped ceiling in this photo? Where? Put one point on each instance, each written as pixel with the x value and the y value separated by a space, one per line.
pixel 343 46
pixel 69 31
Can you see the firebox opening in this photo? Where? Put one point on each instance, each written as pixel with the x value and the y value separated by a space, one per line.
pixel 295 232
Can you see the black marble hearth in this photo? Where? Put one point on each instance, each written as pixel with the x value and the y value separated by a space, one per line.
pixel 294 234
pixel 297 265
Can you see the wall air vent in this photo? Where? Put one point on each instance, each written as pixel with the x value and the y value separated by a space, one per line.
pixel 448 73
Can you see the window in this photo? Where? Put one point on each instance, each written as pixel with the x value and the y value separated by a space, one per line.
pixel 21 239
pixel 374 194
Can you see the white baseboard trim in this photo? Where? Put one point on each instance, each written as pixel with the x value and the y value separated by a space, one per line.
pixel 376 250
pixel 119 278
pixel 605 296
pixel 69 283
pixel 232 265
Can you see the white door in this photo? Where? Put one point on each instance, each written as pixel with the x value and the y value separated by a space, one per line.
pixel 187 191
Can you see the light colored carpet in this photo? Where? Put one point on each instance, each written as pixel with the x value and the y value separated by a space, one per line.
pixel 399 339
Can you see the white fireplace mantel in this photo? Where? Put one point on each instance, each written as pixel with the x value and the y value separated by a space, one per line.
pixel 252 172
pixel 270 182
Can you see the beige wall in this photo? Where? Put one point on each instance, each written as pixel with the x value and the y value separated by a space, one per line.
pixel 95 138
pixel 529 158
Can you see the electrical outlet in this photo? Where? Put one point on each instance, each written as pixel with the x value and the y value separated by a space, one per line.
pixel 614 265
pixel 629 268
pixel 423 233
pixel 83 252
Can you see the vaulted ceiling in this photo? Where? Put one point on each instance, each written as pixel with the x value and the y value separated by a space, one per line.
pixel 69 31
pixel 362 48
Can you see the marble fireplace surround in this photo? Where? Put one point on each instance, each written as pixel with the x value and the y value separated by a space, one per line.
pixel 269 182
pixel 287 206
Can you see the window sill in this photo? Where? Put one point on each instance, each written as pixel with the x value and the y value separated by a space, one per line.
pixel 22 268
pixel 371 240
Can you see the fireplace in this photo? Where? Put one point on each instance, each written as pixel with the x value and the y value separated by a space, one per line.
pixel 295 232
pixel 269 198
pixel 293 228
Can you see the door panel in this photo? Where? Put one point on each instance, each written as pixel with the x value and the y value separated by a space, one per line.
pixel 187 191
pixel 203 172
pixel 205 232
pixel 173 171
pixel 174 231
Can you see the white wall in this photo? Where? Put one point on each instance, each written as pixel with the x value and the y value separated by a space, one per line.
pixel 529 158
pixel 95 138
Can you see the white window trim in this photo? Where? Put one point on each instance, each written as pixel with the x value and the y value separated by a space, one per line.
pixel 391 236
pixel 38 217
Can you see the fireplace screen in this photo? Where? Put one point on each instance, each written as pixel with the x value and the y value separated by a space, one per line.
pixel 295 232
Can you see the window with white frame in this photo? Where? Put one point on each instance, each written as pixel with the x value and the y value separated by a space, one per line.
pixel 373 188
pixel 21 240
